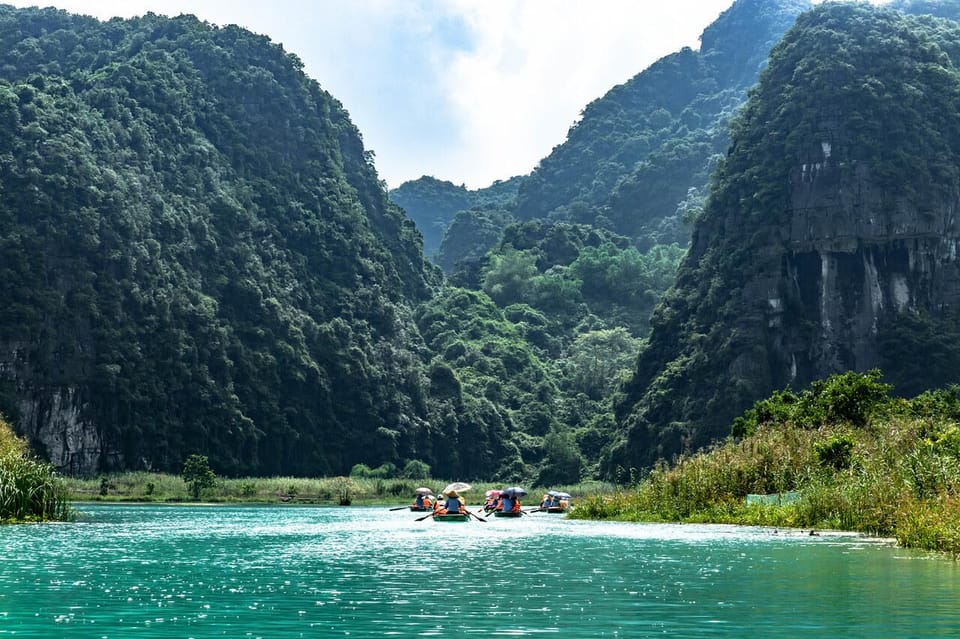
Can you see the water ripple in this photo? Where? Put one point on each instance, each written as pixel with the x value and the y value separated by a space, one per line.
pixel 159 571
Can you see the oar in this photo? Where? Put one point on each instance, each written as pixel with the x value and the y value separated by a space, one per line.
pixel 532 510
pixel 477 517
pixel 424 517
pixel 399 507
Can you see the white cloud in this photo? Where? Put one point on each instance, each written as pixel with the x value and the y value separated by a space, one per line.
pixel 536 65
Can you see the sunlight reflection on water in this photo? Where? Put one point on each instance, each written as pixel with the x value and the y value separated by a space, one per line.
pixel 187 571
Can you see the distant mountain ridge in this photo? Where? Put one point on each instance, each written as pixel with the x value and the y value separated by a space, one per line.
pixel 639 158
pixel 433 203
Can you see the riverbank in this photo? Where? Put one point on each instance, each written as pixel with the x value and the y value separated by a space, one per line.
pixel 842 456
pixel 161 487
pixel 30 490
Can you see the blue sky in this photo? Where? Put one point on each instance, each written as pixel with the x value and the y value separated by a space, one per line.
pixel 469 91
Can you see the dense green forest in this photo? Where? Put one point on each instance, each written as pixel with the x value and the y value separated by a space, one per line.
pixel 434 204
pixel 638 159
pixel 197 255
pixel 591 239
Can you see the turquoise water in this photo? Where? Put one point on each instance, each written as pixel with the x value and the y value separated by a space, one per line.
pixel 277 572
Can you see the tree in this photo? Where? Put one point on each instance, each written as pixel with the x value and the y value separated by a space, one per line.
pixel 597 360
pixel 198 474
pixel 563 463
pixel 507 278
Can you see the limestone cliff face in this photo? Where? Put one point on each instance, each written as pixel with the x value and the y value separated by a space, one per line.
pixel 833 216
pixel 53 420
pixel 50 416
pixel 850 256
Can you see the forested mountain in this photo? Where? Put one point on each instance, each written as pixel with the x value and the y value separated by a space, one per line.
pixel 433 203
pixel 197 255
pixel 829 241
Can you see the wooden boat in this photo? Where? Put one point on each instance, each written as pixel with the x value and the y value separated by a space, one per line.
pixel 420 509
pixel 554 509
pixel 452 517
pixel 500 513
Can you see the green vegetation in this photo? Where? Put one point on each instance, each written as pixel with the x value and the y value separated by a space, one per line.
pixel 433 204
pixel 860 460
pixel 636 153
pixel 198 257
pixel 211 266
pixel 602 224
pixel 328 491
pixel 198 475
pixel 30 490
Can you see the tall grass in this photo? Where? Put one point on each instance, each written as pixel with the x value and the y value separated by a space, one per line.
pixel 30 490
pixel 900 481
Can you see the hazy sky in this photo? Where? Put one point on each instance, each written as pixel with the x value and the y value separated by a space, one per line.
pixel 469 91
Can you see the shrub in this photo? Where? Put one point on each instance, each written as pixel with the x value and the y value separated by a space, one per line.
pixel 836 452
pixel 416 469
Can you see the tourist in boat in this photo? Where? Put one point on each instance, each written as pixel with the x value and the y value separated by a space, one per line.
pixel 422 501
pixel 546 502
pixel 491 500
pixel 454 503
pixel 509 503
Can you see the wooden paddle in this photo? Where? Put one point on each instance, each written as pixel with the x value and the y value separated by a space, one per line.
pixel 399 507
pixel 477 517
pixel 424 517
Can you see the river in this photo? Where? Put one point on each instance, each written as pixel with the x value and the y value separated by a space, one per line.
pixel 149 571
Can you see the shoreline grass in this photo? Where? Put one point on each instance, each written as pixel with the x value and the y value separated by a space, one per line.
pixel 887 468
pixel 30 490
pixel 150 487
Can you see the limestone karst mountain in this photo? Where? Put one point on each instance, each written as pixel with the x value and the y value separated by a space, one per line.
pixel 830 239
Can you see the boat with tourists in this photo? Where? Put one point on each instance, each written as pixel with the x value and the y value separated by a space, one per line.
pixel 423 502
pixel 453 508
pixel 509 502
pixel 490 500
pixel 555 502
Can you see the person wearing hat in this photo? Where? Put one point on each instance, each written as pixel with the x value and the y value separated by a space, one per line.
pixel 455 503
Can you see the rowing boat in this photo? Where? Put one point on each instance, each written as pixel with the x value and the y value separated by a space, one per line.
pixel 511 513
pixel 452 517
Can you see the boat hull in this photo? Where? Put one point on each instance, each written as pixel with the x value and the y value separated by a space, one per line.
pixel 420 509
pixel 451 517
pixel 500 513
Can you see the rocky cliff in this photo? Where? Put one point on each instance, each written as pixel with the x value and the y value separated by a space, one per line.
pixel 833 216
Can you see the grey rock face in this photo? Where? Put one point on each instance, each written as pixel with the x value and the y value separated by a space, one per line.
pixel 850 255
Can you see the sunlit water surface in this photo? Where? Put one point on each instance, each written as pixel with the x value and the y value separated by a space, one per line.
pixel 225 571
